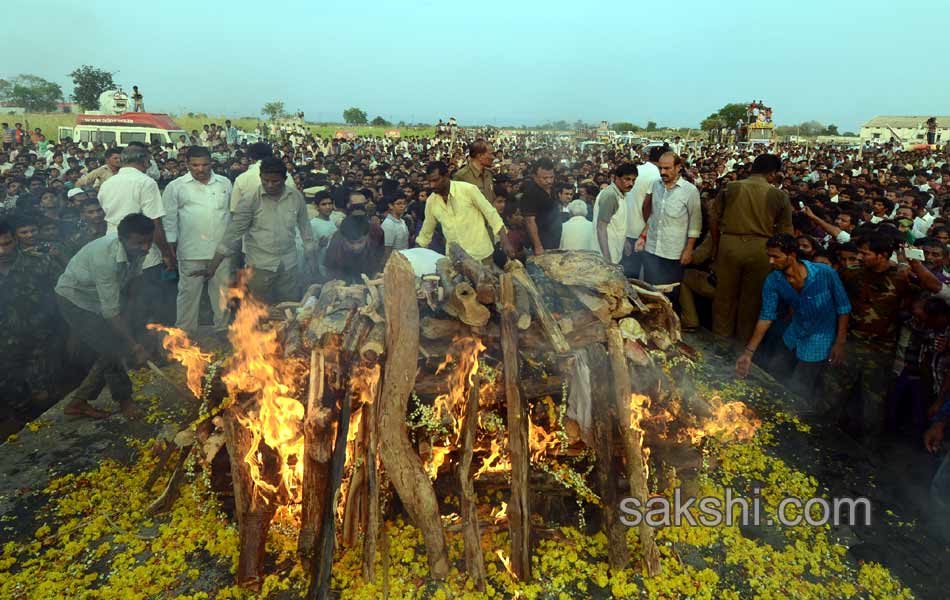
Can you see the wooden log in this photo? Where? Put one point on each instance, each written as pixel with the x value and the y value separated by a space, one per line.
pixel 448 277
pixel 632 445
pixel 374 346
pixel 403 465
pixel 430 384
pixel 317 430
pixel 519 505
pixel 322 557
pixel 370 417
pixel 605 475
pixel 474 562
pixel 549 325
pixel 170 493
pixel 352 506
pixel 253 512
pixel 480 275
pixel 523 304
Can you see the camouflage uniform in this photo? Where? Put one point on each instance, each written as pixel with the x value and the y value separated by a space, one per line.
pixel 867 370
pixel 30 334
pixel 83 235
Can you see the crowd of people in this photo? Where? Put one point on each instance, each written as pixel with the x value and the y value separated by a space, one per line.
pixel 806 258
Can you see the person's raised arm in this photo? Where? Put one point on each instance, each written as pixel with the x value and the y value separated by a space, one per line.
pixel 928 280
pixel 833 230
pixel 429 221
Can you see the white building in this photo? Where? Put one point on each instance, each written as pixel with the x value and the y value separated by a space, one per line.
pixel 910 130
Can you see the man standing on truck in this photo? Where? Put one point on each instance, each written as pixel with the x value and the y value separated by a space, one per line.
pixel 138 103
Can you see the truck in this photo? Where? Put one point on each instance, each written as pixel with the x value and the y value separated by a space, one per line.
pixel 758 128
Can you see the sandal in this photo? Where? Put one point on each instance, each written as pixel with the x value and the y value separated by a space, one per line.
pixel 84 409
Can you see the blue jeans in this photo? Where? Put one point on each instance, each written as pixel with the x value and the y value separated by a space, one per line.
pixel 633 263
pixel 660 271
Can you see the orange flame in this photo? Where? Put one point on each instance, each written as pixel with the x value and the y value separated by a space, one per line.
pixel 494 462
pixel 506 561
pixel 730 421
pixel 181 349
pixel 540 440
pixel 451 406
pixel 502 514
pixel 258 367
pixel 639 411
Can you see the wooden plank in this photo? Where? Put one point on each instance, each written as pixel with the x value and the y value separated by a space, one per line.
pixel 402 462
pixel 474 561
pixel 519 505
pixel 632 445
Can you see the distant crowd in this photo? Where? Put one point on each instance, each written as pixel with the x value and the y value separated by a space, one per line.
pixel 807 258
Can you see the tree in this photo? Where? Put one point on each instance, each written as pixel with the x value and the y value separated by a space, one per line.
pixel 274 110
pixel 811 128
pixel 34 94
pixel 5 88
pixel 380 122
pixel 88 83
pixel 354 116
pixel 831 130
pixel 711 122
pixel 651 125
pixel 624 127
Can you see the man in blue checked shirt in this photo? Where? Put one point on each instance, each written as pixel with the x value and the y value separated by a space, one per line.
pixel 819 326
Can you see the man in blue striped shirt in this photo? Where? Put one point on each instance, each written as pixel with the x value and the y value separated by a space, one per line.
pixel 820 309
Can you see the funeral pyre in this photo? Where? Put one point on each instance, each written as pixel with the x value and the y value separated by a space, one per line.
pixel 541 380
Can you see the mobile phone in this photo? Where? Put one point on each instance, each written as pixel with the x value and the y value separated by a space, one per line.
pixel 801 205
pixel 913 253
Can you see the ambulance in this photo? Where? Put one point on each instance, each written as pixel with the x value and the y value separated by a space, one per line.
pixel 119 130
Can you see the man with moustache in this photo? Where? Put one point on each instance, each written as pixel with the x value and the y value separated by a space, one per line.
pixel 674 220
pixel 610 213
pixel 268 220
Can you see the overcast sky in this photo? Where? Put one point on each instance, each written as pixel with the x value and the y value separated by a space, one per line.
pixel 506 63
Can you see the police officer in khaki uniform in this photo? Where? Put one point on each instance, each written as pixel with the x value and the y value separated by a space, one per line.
pixel 477 171
pixel 745 215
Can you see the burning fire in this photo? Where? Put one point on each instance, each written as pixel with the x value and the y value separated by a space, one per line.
pixel 730 421
pixel 275 420
pixel 540 440
pixel 450 407
pixel 181 349
pixel 494 462
pixel 639 411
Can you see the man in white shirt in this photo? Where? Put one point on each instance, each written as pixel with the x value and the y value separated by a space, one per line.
pixel 132 191
pixel 247 182
pixel 395 231
pixel 674 223
pixel 647 174
pixel 610 213
pixel 323 229
pixel 196 217
pixel 89 294
pixel 269 221
pixel 577 233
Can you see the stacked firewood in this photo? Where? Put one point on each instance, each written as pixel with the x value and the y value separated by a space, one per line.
pixel 373 347
pixel 540 313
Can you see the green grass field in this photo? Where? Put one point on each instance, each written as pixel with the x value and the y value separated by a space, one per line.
pixel 50 122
